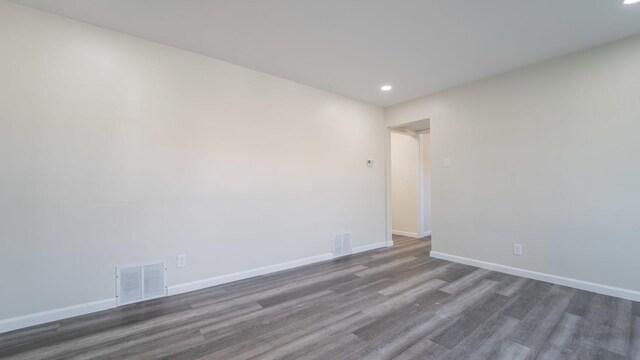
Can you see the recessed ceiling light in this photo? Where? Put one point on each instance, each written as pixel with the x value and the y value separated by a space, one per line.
pixel 389 87
pixel 629 2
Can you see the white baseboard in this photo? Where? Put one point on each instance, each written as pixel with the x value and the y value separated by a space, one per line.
pixel 223 279
pixel 227 278
pixel 426 233
pixel 364 248
pixel 405 233
pixel 83 309
pixel 55 315
pixel 554 279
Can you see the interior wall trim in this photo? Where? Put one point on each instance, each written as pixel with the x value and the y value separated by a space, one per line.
pixel 554 279
pixel 227 278
pixel 44 317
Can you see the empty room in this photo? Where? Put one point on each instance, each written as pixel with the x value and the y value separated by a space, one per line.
pixel 328 179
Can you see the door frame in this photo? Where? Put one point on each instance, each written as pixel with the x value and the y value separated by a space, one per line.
pixel 401 128
pixel 422 231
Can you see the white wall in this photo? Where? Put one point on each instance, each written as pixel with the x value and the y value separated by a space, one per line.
pixel 116 150
pixel 404 184
pixel 409 200
pixel 547 156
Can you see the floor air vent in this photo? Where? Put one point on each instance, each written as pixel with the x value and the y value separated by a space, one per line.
pixel 341 244
pixel 140 282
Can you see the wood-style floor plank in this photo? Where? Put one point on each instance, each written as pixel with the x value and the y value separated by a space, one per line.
pixel 395 303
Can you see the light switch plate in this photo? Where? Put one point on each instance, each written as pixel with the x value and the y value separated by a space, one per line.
pixel 182 261
pixel 446 162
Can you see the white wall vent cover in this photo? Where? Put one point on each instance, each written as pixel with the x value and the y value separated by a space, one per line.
pixel 140 282
pixel 341 244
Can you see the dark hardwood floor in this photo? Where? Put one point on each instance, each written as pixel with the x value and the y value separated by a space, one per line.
pixel 395 303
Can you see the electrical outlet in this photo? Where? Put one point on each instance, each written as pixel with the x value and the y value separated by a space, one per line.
pixel 182 261
pixel 517 249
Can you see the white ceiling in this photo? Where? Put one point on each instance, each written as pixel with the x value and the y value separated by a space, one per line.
pixel 352 47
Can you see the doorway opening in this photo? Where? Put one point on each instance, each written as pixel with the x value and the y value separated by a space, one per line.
pixel 409 181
